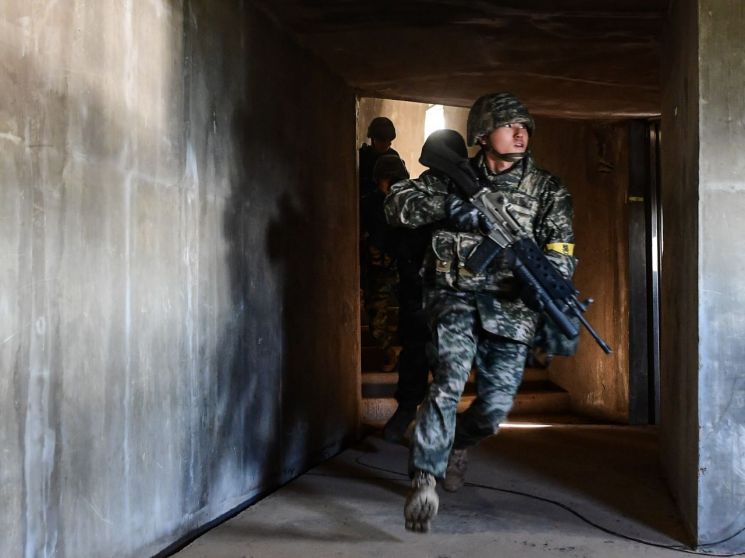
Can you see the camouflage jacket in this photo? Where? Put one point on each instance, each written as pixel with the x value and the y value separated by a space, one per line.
pixel 542 205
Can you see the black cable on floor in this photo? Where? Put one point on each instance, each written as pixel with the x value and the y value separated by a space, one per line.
pixel 575 513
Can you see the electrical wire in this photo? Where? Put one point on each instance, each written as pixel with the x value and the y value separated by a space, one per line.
pixel 565 507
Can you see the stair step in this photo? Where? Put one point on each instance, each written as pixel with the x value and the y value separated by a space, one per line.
pixel 383 384
pixel 377 410
pixel 377 377
pixel 535 375
pixel 372 362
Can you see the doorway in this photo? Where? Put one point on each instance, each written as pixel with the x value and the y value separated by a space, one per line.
pixel 597 160
pixel 645 238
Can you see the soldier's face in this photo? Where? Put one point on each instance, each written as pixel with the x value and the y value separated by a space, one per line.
pixel 511 138
pixel 380 145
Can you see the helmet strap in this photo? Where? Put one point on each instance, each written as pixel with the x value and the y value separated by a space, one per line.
pixel 509 157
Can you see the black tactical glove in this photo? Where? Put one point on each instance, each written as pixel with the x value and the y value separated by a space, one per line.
pixel 463 216
pixel 531 299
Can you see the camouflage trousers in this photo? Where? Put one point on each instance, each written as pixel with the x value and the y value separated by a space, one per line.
pixel 459 342
pixel 381 304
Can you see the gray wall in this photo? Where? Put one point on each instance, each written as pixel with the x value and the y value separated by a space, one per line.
pixel 680 256
pixel 721 265
pixel 703 299
pixel 178 269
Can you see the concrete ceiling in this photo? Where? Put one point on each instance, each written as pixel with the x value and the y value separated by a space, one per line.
pixel 576 58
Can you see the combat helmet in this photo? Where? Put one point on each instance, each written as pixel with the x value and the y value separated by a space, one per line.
pixel 494 110
pixel 381 128
pixel 390 166
pixel 450 138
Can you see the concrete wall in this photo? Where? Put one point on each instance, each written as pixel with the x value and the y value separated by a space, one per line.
pixel 721 269
pixel 703 397
pixel 680 252
pixel 593 160
pixel 178 284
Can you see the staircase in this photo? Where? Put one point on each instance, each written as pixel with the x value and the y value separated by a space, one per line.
pixel 537 394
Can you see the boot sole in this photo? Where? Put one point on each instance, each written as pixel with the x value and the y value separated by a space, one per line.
pixel 421 507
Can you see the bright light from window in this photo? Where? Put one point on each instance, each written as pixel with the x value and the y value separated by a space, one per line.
pixel 434 119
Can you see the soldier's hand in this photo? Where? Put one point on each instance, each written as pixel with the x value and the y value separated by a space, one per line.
pixel 463 216
pixel 531 299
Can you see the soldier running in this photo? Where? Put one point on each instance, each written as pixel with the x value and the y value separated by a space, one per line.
pixel 487 320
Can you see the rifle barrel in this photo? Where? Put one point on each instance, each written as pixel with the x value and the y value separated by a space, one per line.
pixel 595 336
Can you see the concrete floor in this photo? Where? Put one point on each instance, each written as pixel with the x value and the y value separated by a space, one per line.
pixel 577 490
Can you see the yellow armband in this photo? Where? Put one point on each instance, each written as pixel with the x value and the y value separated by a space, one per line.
pixel 562 248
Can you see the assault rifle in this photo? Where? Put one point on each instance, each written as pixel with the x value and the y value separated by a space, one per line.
pixel 557 295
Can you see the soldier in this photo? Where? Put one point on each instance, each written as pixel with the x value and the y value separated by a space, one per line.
pixel 381 133
pixel 413 364
pixel 381 295
pixel 486 320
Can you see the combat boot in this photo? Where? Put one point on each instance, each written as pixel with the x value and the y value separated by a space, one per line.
pixel 395 429
pixel 422 502
pixel 455 476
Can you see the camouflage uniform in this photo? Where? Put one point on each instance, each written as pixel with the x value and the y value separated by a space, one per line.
pixel 477 319
pixel 381 301
pixel 378 274
pixel 381 294
pixel 549 342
